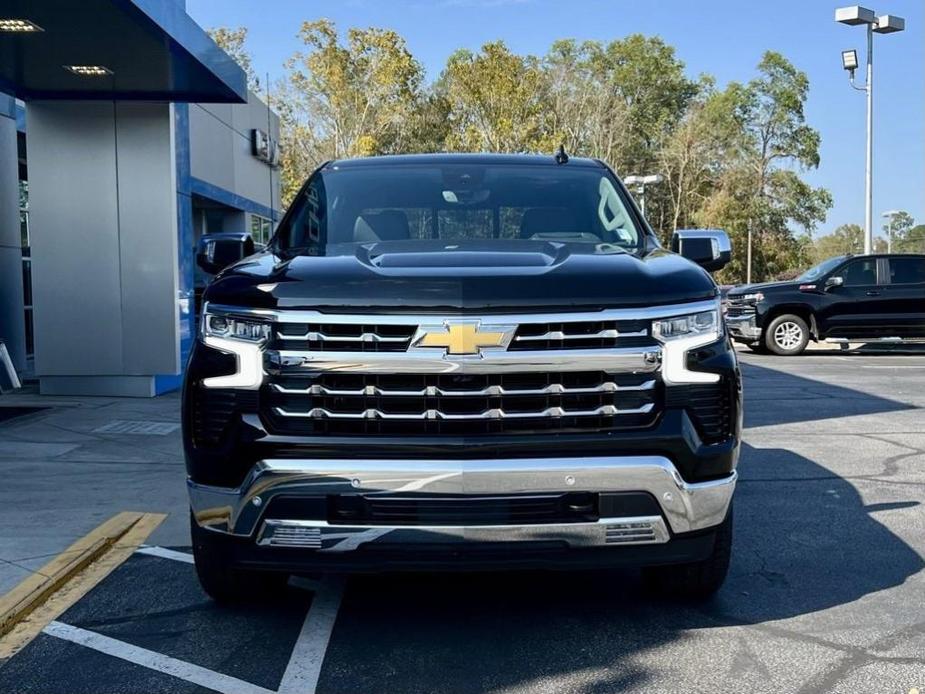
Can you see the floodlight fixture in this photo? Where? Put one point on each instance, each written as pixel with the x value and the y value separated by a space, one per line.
pixel 849 60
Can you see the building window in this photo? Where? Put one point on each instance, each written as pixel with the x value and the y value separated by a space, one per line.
pixel 261 229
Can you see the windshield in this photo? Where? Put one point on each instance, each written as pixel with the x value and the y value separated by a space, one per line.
pixel 821 269
pixel 459 203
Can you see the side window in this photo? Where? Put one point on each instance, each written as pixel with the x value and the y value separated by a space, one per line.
pixel 907 270
pixel 860 273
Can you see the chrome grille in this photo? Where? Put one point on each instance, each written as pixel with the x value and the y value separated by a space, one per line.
pixel 343 337
pixel 395 337
pixel 581 335
pixel 736 309
pixel 426 404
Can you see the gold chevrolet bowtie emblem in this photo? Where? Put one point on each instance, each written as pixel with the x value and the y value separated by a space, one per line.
pixel 462 338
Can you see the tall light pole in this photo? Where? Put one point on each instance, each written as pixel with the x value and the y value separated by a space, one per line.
pixel 885 24
pixel 640 183
pixel 890 214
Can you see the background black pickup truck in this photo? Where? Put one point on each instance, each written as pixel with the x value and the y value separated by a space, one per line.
pixel 862 298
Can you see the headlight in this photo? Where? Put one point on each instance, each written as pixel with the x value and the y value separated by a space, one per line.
pixel 702 323
pixel 231 327
pixel 681 334
pixel 753 298
pixel 242 337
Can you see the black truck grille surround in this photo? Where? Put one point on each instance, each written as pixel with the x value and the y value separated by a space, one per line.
pixel 708 405
pixel 448 404
pixel 215 410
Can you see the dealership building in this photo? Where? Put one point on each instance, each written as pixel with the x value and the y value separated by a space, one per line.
pixel 125 135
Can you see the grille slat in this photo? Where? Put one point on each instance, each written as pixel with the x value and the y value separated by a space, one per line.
pixel 431 391
pixel 449 404
pixel 494 413
pixel 343 337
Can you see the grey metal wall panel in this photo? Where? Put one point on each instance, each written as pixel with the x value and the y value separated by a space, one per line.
pixel 148 239
pixel 211 148
pixel 75 239
pixel 220 149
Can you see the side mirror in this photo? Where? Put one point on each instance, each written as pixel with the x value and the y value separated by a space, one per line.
pixel 215 252
pixel 832 282
pixel 711 249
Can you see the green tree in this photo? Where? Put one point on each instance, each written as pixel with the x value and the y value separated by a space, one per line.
pixel 495 101
pixel 761 188
pixel 896 228
pixel 619 102
pixel 912 241
pixel 696 153
pixel 845 239
pixel 344 99
pixel 233 41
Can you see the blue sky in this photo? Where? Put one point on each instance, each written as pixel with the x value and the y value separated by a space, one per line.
pixel 722 37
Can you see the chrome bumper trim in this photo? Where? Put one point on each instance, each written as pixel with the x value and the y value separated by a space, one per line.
pixel 743 326
pixel 685 506
pixel 324 537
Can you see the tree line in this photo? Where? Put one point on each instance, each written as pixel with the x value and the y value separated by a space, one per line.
pixel 732 157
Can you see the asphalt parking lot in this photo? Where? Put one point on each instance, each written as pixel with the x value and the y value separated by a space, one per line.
pixel 825 593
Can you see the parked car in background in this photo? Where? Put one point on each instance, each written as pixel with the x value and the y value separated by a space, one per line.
pixel 871 298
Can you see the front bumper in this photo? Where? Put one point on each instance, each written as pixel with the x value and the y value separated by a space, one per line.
pixel 743 328
pixel 683 507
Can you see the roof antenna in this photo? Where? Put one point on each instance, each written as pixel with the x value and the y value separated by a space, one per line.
pixel 561 156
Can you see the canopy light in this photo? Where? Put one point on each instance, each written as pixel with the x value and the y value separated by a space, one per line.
pixel 19 26
pixel 855 15
pixel 849 60
pixel 88 70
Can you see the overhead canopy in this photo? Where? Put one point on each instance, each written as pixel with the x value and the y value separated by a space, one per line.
pixel 154 50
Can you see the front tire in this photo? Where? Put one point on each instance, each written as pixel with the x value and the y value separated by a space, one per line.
pixel 787 335
pixel 696 580
pixel 224 582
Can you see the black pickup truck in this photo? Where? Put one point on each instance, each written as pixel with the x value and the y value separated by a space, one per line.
pixel 462 361
pixel 870 298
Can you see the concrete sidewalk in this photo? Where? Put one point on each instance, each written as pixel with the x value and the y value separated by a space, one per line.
pixel 68 468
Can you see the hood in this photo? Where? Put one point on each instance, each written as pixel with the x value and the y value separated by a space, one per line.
pixel 762 287
pixel 435 275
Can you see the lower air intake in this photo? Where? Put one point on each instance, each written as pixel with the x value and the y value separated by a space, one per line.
pixel 277 535
pixel 635 532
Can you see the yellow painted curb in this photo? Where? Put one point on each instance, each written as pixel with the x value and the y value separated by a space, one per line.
pixel 44 595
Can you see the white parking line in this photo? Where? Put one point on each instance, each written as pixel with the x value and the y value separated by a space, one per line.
pixel 188 672
pixel 164 553
pixel 304 666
